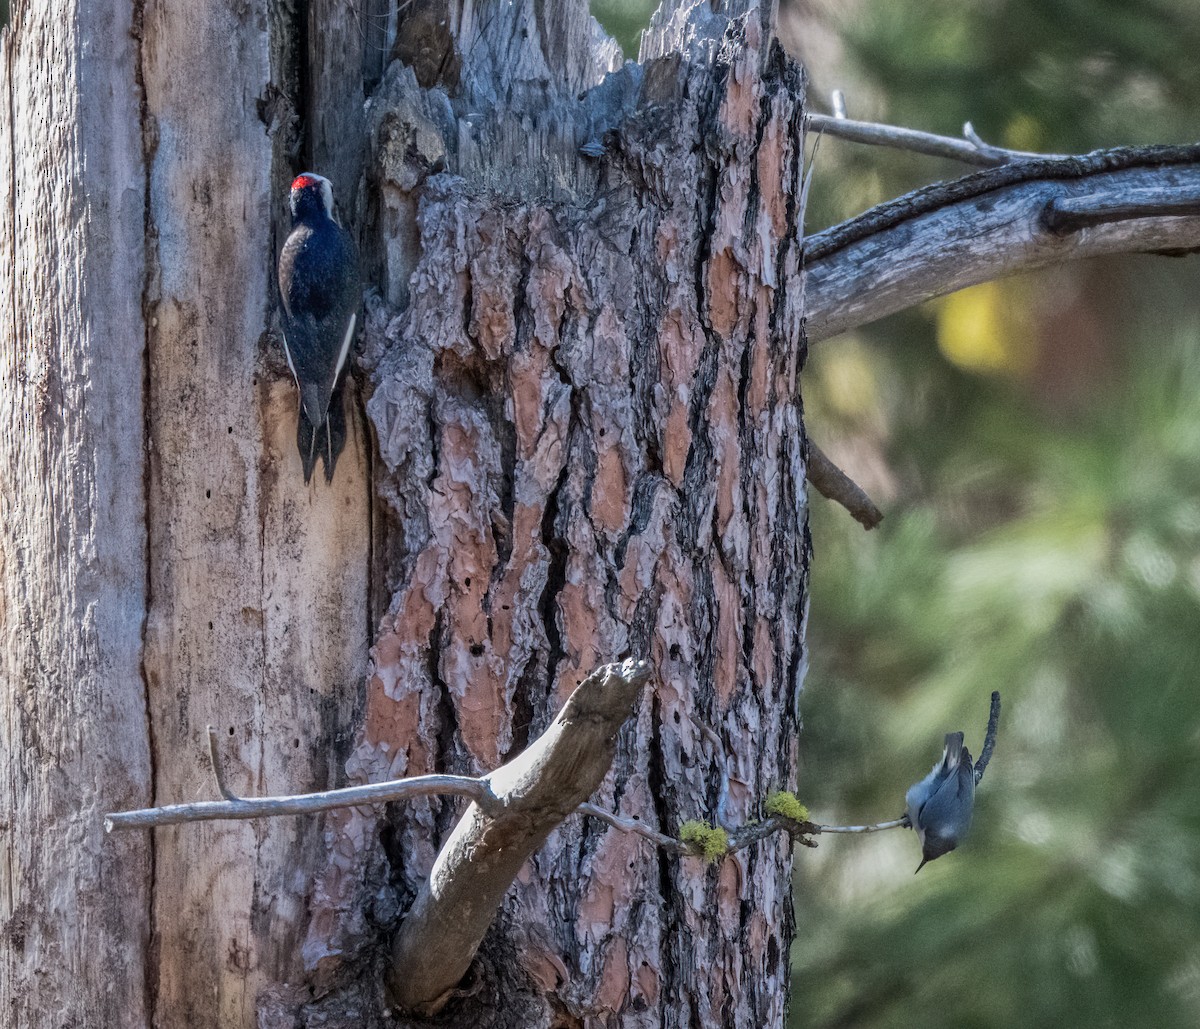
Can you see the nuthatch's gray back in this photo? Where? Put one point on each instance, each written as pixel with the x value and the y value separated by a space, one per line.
pixel 939 806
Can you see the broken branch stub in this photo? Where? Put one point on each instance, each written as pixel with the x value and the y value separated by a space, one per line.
pixel 537 790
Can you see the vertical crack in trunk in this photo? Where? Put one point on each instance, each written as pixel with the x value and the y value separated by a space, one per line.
pixel 149 299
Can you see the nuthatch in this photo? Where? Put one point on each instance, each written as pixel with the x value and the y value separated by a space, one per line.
pixel 939 806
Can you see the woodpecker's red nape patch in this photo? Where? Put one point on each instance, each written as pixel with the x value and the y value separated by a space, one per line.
pixel 303 182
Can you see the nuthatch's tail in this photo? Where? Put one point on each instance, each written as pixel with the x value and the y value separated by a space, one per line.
pixel 952 755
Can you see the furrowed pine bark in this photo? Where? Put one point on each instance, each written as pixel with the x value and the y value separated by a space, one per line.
pixel 584 377
pixel 72 530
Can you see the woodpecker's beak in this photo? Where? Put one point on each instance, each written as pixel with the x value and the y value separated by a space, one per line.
pixel 924 862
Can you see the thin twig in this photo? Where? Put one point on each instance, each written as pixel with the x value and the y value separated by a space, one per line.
pixel 834 484
pixel 755 832
pixel 971 150
pixel 895 823
pixel 218 771
pixel 989 737
pixel 632 825
pixel 306 803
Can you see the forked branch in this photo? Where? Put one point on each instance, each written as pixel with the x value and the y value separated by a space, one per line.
pixel 970 150
pixel 512 812
pixel 438 938
pixel 1018 217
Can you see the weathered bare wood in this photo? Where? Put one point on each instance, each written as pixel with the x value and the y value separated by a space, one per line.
pixel 972 150
pixel 244 808
pixel 258 585
pixel 1063 215
pixel 947 237
pixel 73 932
pixel 476 866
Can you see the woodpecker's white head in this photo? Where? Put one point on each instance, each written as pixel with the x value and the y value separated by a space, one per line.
pixel 310 190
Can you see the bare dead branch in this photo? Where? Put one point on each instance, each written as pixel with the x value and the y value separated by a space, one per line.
pixel 951 235
pixel 989 737
pixel 537 790
pixel 514 809
pixel 638 828
pixel 895 823
pixel 239 808
pixel 834 484
pixel 1063 215
pixel 971 150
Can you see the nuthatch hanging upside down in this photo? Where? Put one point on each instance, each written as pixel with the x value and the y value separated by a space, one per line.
pixel 318 281
pixel 939 806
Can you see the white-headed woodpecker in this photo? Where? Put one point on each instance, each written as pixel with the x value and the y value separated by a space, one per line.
pixel 318 281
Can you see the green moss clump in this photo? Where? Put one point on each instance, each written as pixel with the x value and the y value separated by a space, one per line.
pixel 712 841
pixel 787 806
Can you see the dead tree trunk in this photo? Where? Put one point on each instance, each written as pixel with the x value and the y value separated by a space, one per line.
pixel 73 907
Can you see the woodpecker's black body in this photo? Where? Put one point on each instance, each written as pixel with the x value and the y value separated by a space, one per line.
pixel 318 281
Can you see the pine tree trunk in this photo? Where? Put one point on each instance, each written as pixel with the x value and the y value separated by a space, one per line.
pixel 590 443
pixel 581 436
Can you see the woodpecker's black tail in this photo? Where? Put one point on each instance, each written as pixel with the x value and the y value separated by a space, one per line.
pixel 326 441
pixel 333 432
pixel 306 443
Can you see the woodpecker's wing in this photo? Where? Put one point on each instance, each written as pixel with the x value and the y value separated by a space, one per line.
pixel 318 281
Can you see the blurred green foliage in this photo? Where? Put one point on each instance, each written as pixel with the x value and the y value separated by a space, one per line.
pixel 1042 538
pixel 1077 899
pixel 624 21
